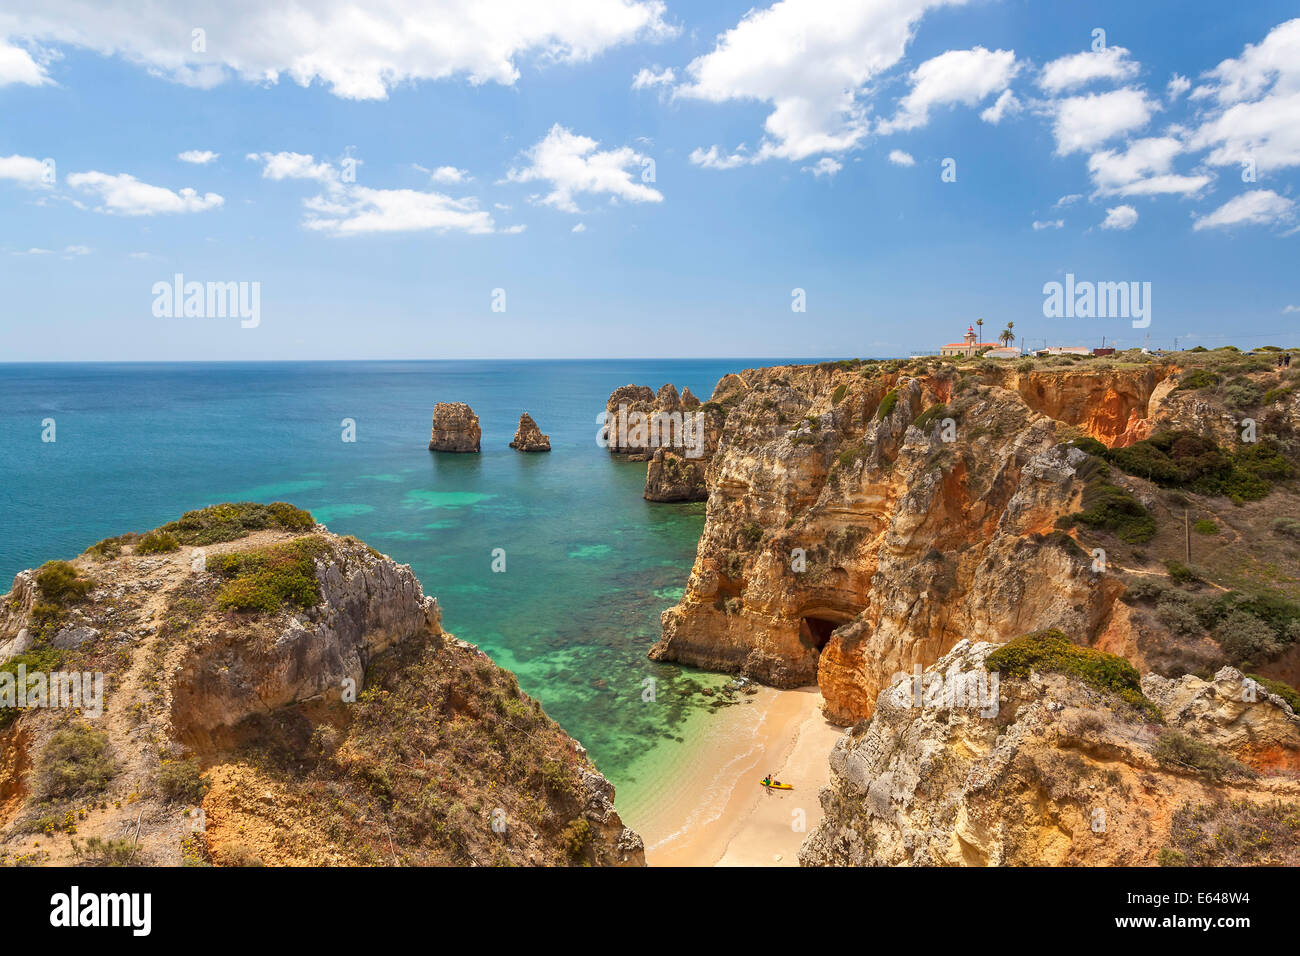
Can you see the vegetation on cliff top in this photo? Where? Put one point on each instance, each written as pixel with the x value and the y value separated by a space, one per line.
pixel 1234 833
pixel 266 579
pixel 229 522
pixel 1051 650
pixel 1183 459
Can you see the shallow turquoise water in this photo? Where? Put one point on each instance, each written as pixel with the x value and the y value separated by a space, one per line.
pixel 590 565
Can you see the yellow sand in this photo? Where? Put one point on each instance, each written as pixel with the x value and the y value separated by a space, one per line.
pixel 714 812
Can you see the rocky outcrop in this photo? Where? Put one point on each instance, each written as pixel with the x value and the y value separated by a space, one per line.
pixel 1056 773
pixel 865 517
pixel 528 437
pixel 676 434
pixel 307 677
pixel 455 428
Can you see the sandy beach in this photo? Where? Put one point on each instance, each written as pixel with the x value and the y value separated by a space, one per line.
pixel 714 812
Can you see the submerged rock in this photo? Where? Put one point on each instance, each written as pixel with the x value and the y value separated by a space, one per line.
pixel 528 437
pixel 455 428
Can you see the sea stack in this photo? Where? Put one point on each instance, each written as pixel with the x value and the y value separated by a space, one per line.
pixel 528 437
pixel 455 428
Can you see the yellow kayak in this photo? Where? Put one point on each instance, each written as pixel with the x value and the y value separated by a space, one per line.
pixel 775 784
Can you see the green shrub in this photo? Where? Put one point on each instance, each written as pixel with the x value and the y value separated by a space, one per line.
pixel 1197 378
pixel 107 549
pixel 99 852
pixel 1108 507
pixel 46 660
pixel 1247 640
pixel 229 522
pixel 1183 459
pixel 1177 750
pixel 838 395
pixel 1178 616
pixel 157 542
pixel 1180 573
pixel 887 404
pixel 60 584
pixel 1205 526
pixel 752 533
pixel 180 781
pixel 1090 445
pixel 931 415
pixel 75 762
pixel 1168 856
pixel 576 838
pixel 269 578
pixel 1051 650
pixel 1241 393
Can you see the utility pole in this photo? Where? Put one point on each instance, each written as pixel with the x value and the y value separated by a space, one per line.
pixel 1187 537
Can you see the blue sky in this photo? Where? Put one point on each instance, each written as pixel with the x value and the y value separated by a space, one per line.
pixel 797 146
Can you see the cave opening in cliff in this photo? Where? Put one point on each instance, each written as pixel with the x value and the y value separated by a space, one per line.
pixel 816 631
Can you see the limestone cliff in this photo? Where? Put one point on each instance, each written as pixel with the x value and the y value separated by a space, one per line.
pixel 676 434
pixel 455 428
pixel 1057 772
pixel 863 518
pixel 528 437
pixel 276 694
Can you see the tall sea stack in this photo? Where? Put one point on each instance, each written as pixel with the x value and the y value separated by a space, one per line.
pixel 455 428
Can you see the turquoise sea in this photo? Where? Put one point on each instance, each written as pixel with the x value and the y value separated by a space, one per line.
pixel 589 564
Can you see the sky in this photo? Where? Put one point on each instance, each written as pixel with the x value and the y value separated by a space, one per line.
pixel 635 178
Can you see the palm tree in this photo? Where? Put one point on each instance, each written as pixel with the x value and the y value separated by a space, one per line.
pixel 980 323
pixel 1006 336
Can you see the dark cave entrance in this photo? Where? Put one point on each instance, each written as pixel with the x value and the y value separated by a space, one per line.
pixel 816 631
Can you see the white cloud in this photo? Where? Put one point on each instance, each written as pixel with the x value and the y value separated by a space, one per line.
pixel 1068 200
pixel 1257 113
pixel 77 250
pixel 1083 122
pixel 580 227
pixel 358 210
pixel 810 60
pixel 713 158
pixel 1111 63
pixel 1259 207
pixel 647 78
pixel 359 50
pixel 1041 224
pixel 286 165
pixel 1006 105
pixel 450 175
pixel 17 66
pixel 900 158
pixel 124 195
pixel 824 167
pixel 1120 217
pixel 573 165
pixel 23 169
pixel 1291 308
pixel 514 230
pixel 199 157
pixel 1178 85
pixel 1144 169
pixel 956 77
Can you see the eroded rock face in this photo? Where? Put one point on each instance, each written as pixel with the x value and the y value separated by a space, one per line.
pixel 676 434
pixel 369 604
pixel 861 522
pixel 295 715
pixel 455 428
pixel 528 437
pixel 1060 775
